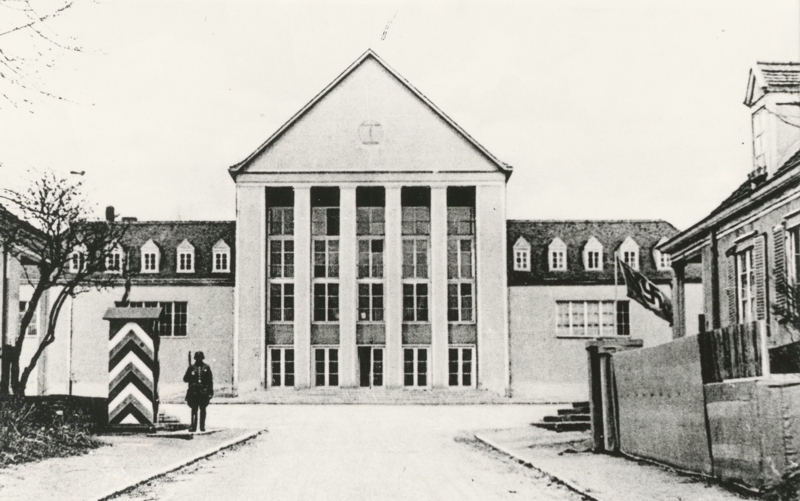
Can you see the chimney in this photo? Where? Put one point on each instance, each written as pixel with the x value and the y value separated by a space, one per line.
pixel 110 214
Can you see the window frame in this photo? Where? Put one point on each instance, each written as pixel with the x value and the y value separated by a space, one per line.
pixel 282 285
pixel 79 265
pixel 327 296
pixel 327 364
pixel 172 312
pixel 282 363
pixel 416 302
pixel 557 255
pixel 115 254
pixel 185 249
pixel 522 249
pixel 415 365
pixel 221 249
pixel 371 297
pixel 150 248
pixel 33 327
pixel 461 349
pixel 745 303
pixel 615 313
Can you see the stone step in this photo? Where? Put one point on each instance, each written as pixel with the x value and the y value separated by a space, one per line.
pixel 563 419
pixel 581 405
pixel 563 426
pixel 572 412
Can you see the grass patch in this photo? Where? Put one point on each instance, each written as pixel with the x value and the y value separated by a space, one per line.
pixel 35 430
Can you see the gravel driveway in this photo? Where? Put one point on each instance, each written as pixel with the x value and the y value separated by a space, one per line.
pixel 354 452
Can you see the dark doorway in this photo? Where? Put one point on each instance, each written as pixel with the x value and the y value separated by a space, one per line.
pixel 364 364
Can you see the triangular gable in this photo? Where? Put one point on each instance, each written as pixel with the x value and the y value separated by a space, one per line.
pixel 369 55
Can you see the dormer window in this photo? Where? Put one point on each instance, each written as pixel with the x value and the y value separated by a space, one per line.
pixel 185 257
pixel 760 139
pixel 557 255
pixel 222 257
pixel 522 255
pixel 77 259
pixel 151 257
pixel 629 253
pixel 593 255
pixel 663 261
pixel 114 260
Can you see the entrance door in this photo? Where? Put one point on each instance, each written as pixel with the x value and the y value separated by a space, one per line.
pixel 370 366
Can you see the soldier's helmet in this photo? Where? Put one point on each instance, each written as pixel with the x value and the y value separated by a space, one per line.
pixel 198 356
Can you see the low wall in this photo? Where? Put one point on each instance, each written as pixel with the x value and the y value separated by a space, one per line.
pixel 755 428
pixel 661 404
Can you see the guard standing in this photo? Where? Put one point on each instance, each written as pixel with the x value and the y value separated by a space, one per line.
pixel 201 389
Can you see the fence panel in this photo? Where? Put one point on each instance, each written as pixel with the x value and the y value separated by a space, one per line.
pixel 661 404
pixel 733 352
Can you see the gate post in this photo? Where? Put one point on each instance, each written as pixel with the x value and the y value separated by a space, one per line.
pixel 132 367
pixel 602 391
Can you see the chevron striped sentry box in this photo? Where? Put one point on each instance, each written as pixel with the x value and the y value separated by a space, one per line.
pixel 132 366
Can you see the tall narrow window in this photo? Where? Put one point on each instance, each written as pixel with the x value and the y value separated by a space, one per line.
pixel 461 366
pixel 281 366
pixel 460 254
pixel 416 227
pixel 325 250
pixel 33 326
pixel 370 229
pixel 745 286
pixel 77 259
pixel 326 367
pixel 415 367
pixel 759 138
pixel 114 259
pixel 280 253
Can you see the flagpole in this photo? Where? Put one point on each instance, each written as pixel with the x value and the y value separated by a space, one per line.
pixel 616 274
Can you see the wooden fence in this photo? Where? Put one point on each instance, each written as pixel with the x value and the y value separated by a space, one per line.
pixel 734 352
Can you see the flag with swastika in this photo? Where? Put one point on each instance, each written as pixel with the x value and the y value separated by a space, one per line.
pixel 646 293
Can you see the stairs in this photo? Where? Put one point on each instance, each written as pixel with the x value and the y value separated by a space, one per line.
pixel 575 418
pixel 168 422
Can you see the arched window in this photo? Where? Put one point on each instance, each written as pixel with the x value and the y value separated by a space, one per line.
pixel 185 257
pixel 222 257
pixel 151 257
pixel 522 255
pixel 593 255
pixel 557 255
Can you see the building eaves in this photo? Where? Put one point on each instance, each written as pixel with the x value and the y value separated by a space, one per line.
pixel 237 168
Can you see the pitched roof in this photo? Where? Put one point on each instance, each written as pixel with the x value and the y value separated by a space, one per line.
pixel 168 235
pixel 25 237
pixel 772 77
pixel 576 234
pixel 369 54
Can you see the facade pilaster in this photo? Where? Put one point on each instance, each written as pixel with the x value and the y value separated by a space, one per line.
pixel 438 289
pixel 348 293
pixel 393 267
pixel 302 286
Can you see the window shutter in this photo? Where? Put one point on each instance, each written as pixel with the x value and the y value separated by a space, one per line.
pixel 730 290
pixel 779 243
pixel 760 272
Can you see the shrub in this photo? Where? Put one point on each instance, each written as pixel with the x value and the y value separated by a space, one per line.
pixel 34 430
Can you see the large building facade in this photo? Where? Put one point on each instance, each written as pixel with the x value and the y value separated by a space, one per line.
pixel 371 245
pixel 370 250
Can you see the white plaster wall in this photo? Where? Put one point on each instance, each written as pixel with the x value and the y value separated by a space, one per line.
pixel 554 369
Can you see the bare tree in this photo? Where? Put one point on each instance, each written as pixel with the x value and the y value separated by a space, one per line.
pixel 68 252
pixel 29 46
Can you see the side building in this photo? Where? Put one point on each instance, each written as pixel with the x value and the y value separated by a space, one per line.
pixel 561 293
pixel 185 267
pixel 749 246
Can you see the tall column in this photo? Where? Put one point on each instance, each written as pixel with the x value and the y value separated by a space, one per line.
pixel 438 292
pixel 678 302
pixel 393 292
pixel 302 286
pixel 249 304
pixel 491 288
pixel 348 295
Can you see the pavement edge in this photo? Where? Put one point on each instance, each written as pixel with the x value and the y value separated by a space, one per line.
pixel 566 483
pixel 181 464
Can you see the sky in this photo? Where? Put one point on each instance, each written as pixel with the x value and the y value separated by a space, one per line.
pixel 614 109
